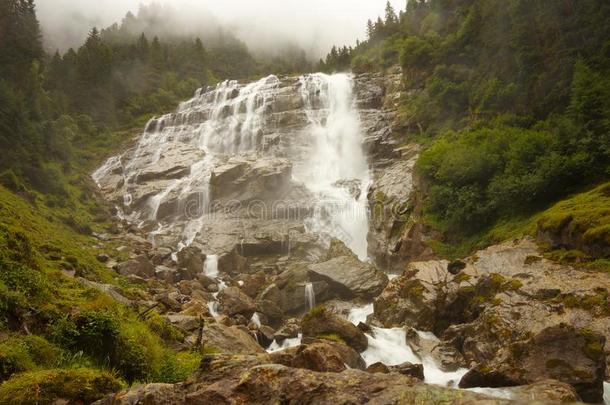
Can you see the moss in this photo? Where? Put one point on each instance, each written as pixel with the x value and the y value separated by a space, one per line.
pixel 593 348
pixel 597 304
pixel 316 312
pixel 557 363
pixel 333 337
pixel 76 385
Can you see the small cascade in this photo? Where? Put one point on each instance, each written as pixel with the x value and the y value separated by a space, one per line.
pixel 213 308
pixel 210 266
pixel 389 346
pixel 607 393
pixel 256 319
pixel 286 344
pixel 310 295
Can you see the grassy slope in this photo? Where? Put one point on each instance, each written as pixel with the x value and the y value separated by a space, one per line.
pixel 586 215
pixel 45 241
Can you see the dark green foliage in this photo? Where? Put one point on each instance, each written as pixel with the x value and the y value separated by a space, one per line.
pixel 513 99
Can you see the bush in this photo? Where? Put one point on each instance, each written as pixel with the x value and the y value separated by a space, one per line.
pixel 24 353
pixel 123 344
pixel 77 385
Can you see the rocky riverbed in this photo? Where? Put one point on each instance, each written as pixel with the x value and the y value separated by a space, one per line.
pixel 244 216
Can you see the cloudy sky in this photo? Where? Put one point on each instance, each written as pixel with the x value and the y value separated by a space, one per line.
pixel 314 24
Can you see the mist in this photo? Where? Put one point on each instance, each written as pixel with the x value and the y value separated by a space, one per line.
pixel 264 25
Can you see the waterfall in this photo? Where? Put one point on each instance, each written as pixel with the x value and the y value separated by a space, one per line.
pixel 337 163
pixel 310 295
pixel 164 181
pixel 210 266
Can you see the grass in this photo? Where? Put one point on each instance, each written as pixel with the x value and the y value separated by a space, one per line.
pixel 585 216
pixel 45 386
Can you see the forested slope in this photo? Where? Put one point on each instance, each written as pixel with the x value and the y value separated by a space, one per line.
pixel 510 98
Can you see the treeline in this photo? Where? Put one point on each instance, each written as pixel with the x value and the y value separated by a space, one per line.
pixel 513 98
pixel 52 108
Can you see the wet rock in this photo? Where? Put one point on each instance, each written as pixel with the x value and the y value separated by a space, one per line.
pixel 232 302
pixel 271 310
pixel 378 367
pixel 251 379
pixel 319 356
pixel 140 266
pixel 190 259
pixel 230 339
pixel 289 330
pixel 349 356
pixel 232 263
pixel 410 369
pixel 321 323
pixel 561 353
pixel 347 275
pixel 266 335
pixel 165 273
pixel 547 391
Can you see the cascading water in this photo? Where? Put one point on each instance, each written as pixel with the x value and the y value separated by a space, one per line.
pixel 210 266
pixel 336 169
pixel 164 182
pixel 310 295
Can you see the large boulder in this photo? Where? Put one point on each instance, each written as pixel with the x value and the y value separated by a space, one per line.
pixel 319 356
pixel 233 302
pixel 321 323
pixel 561 353
pixel 230 339
pixel 140 266
pixel 348 276
pixel 190 260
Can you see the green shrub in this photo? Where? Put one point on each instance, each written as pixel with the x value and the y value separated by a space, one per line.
pixel 46 386
pixel 21 353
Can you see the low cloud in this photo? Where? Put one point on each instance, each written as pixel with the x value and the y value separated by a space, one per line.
pixel 265 25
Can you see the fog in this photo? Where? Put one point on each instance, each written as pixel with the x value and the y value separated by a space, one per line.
pixel 313 25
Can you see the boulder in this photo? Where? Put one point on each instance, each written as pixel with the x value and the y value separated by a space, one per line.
pixel 190 259
pixel 349 356
pixel 224 379
pixel 230 339
pixel 561 353
pixel 320 322
pixel 319 356
pixel 547 391
pixel 410 369
pixel 140 266
pixel 289 330
pixel 232 302
pixel 348 276
pixel 186 323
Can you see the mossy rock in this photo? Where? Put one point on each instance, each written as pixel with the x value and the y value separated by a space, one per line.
pixel 75 385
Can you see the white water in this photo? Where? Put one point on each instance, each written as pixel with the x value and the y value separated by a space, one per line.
pixel 310 295
pixel 256 319
pixel 359 314
pixel 286 343
pixel 607 393
pixel 389 346
pixel 337 155
pixel 213 308
pixel 210 266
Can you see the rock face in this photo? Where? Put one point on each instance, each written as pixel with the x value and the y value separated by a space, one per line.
pixel 320 322
pixel 562 353
pixel 347 275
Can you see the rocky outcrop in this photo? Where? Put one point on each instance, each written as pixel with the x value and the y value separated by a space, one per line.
pixel 322 323
pixel 140 266
pixel 252 379
pixel 318 356
pixel 562 353
pixel 500 296
pixel 348 276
